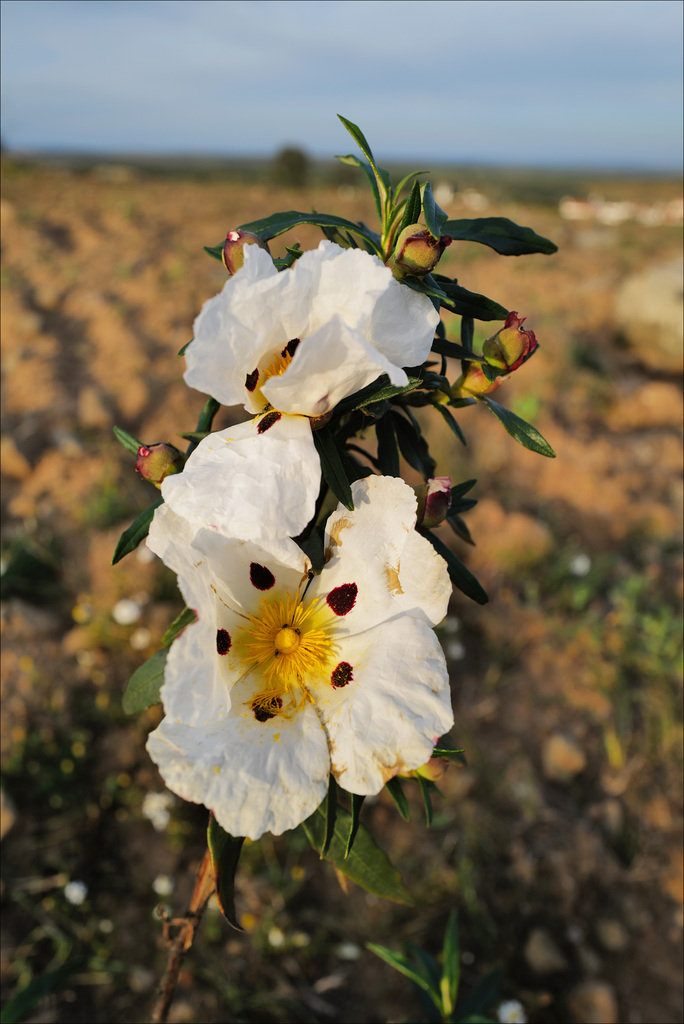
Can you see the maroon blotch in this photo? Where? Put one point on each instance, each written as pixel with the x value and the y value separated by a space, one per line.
pixel 262 714
pixel 343 598
pixel 267 422
pixel 251 380
pixel 261 577
pixel 341 675
pixel 290 348
pixel 223 641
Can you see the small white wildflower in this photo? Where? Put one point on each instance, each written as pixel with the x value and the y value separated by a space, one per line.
pixel 511 1012
pixel 125 612
pixel 155 808
pixel 140 638
pixel 163 885
pixel 580 565
pixel 276 937
pixel 75 893
pixel 348 951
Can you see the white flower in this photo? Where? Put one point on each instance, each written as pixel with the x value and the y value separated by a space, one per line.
pixel 511 1012
pixel 301 340
pixel 75 893
pixel 284 679
pixel 155 808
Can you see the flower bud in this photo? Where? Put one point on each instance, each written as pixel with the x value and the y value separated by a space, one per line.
pixel 234 246
pixel 434 499
pixel 157 461
pixel 417 252
pixel 510 347
pixel 474 382
pixel 434 770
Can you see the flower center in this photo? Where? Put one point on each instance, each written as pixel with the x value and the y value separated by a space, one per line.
pixel 287 640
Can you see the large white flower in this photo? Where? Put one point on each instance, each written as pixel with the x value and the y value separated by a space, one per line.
pixel 287 677
pixel 301 340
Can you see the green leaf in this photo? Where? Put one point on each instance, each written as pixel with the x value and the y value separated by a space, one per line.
pixel 413 446
pixel 356 805
pixel 395 790
pixel 183 349
pixel 206 417
pixel 332 467
pixel 454 350
pixel 330 816
pixel 458 490
pixel 467 303
pixel 21 1004
pixel 379 391
pixel 467 332
pixel 524 433
pixel 353 161
pixel 404 181
pixel 434 216
pixel 451 422
pixel 359 138
pixel 127 440
pixel 412 208
pixel 194 435
pixel 313 547
pixel 459 527
pixel 450 755
pixel 500 234
pixel 366 864
pixel 451 962
pixel 400 963
pixel 388 452
pixel 186 618
pixel 145 683
pixel 216 252
pixel 224 850
pixel 278 223
pixel 483 996
pixel 460 576
pixel 137 531
pixel 427 800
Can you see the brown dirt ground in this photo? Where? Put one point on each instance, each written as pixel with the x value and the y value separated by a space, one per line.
pixel 560 845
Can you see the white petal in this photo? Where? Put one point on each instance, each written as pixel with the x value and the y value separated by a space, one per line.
pixel 387 717
pixel 403 324
pixel 255 776
pixel 252 486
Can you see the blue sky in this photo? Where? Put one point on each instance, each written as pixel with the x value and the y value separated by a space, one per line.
pixel 582 82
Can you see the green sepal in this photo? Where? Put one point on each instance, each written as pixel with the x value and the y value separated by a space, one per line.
pixel 366 864
pixel 354 819
pixel 451 422
pixel 451 348
pixel 388 452
pixel 144 685
pixel 395 790
pixel 500 234
pixel 137 531
pixel 451 964
pixel 450 754
pixel 224 851
pixel 524 433
pixel 425 790
pixel 330 817
pixel 460 576
pixel 434 216
pixel 413 445
pixel 332 466
pixel 127 440
pixel 186 618
pixel 216 252
pixel 412 208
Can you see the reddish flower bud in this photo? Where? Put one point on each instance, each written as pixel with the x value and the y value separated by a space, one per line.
pixel 157 461
pixel 510 347
pixel 434 499
pixel 474 383
pixel 417 252
pixel 234 245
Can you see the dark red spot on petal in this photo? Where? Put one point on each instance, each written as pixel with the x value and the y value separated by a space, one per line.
pixel 342 599
pixel 251 380
pixel 223 641
pixel 261 577
pixel 290 348
pixel 341 675
pixel 262 712
pixel 267 422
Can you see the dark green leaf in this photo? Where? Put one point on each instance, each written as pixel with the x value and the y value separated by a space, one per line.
pixel 434 216
pixel 483 996
pixel 427 800
pixel 32 574
pixel 194 435
pixel 21 1004
pixel 127 440
pixel 378 391
pixel 404 181
pixel 458 490
pixel 462 403
pixel 395 790
pixel 353 161
pixel 500 234
pixel 145 683
pixel 137 531
pixel 366 864
pixel 224 850
pixel 183 349
pixel 469 304
pixel 413 446
pixel 451 755
pixel 215 251
pixel 459 527
pixel 295 250
pixel 206 417
pixel 454 350
pixel 330 816
pixel 186 618
pixel 400 962
pixel 356 805
pixel 388 452
pixel 412 208
pixel 278 223
pixel 451 422
pixel 314 548
pixel 467 332
pixel 359 138
pixel 451 959
pixel 332 466
pixel 524 433
pixel 460 576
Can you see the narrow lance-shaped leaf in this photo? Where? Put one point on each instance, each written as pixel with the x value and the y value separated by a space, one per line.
pixel 278 223
pixel 378 391
pixel 354 821
pixel 466 303
pixel 524 433
pixel 186 618
pixel 451 348
pixel 500 234
pixel 137 531
pixel 130 443
pixel 412 208
pixel 427 799
pixel 330 816
pixel 467 332
pixel 388 452
pixel 225 853
pixel 332 467
pixel 451 964
pixel 381 174
pixel 145 684
pixel 451 755
pixel 353 161
pixel 460 576
pixel 400 962
pixel 451 422
pixel 434 216
pixel 413 446
pixel 395 790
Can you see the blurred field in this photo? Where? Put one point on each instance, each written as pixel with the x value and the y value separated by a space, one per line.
pixel 560 845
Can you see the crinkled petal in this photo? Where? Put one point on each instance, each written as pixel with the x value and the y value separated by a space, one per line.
pixel 390 704
pixel 255 776
pixel 333 362
pixel 251 485
pixel 403 324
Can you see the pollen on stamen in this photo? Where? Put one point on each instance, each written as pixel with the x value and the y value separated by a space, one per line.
pixel 262 710
pixel 343 598
pixel 251 380
pixel 223 641
pixel 261 577
pixel 269 420
pixel 341 675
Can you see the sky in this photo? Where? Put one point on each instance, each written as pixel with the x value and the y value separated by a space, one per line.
pixel 584 83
